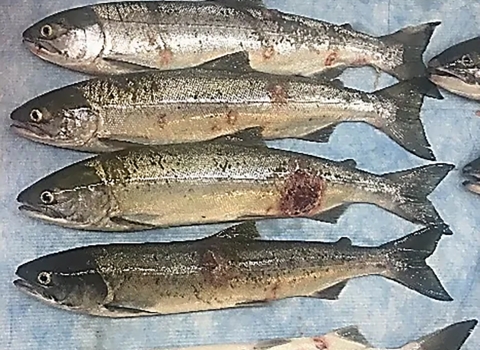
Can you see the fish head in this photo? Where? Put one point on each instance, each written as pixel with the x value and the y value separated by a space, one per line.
pixel 74 197
pixel 72 38
pixel 68 279
pixel 457 69
pixel 472 172
pixel 62 118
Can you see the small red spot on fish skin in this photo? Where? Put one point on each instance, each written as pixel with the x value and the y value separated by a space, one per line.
pixel 232 117
pixel 272 293
pixel 268 52
pixel 477 113
pixel 302 193
pixel 331 58
pixel 360 61
pixel 277 93
pixel 162 120
pixel 320 343
pixel 165 57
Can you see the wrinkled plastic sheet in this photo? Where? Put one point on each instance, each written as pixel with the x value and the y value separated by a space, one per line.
pixel 387 313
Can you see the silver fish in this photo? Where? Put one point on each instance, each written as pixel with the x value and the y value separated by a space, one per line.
pixel 457 69
pixel 224 180
pixel 198 104
pixel 350 338
pixel 233 268
pixel 124 37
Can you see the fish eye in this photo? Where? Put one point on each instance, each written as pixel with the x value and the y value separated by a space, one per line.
pixel 47 197
pixel 467 60
pixel 36 116
pixel 44 278
pixel 46 31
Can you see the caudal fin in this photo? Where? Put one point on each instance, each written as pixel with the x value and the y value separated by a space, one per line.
pixel 413 42
pixel 408 266
pixel 414 186
pixel 448 338
pixel 406 128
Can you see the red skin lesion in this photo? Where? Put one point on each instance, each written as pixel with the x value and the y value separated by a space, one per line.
pixel 302 193
pixel 162 120
pixel 332 57
pixel 165 57
pixel 232 117
pixel 268 52
pixel 277 93
pixel 320 343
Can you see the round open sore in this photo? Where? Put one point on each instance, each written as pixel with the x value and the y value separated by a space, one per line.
pixel 302 193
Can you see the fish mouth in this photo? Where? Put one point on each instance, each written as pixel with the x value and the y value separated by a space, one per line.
pixel 472 174
pixel 29 131
pixel 41 48
pixel 45 215
pixel 34 291
pixel 456 82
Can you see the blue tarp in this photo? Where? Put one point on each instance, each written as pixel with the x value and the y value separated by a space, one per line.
pixel 387 313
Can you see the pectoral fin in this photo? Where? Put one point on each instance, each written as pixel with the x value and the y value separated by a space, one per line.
pixel 115 144
pixel 125 66
pixel 123 311
pixel 136 221
pixel 331 293
pixel 256 303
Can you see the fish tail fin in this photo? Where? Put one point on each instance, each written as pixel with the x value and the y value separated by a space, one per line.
pixel 414 186
pixel 448 338
pixel 413 40
pixel 407 265
pixel 406 128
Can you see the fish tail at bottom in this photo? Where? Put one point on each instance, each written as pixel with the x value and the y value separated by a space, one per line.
pixel 407 262
pixel 414 186
pixel 448 338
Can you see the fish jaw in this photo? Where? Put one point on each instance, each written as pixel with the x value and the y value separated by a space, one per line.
pixel 472 172
pixel 45 215
pixel 43 296
pixel 456 83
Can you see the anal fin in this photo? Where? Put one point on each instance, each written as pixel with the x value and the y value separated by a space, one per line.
pixel 322 135
pixel 332 215
pixel 328 74
pixel 122 67
pixel 331 293
pixel 353 334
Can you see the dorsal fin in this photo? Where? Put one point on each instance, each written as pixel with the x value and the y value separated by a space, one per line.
pixel 351 163
pixel 252 136
pixel 353 334
pixel 235 62
pixel 245 231
pixel 242 3
pixel 347 26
